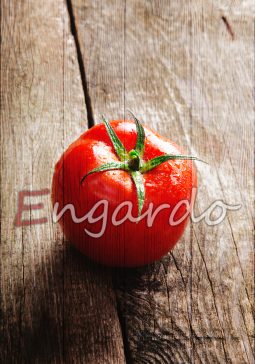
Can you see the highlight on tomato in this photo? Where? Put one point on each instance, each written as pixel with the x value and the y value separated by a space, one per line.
pixel 123 193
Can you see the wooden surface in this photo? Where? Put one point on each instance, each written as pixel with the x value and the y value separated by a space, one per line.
pixel 55 306
pixel 186 68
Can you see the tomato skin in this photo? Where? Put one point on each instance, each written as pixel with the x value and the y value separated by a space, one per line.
pixel 128 244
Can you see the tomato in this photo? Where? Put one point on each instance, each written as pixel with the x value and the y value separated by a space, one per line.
pixel 98 175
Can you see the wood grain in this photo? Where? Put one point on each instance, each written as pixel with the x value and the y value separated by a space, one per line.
pixel 186 69
pixel 180 69
pixel 55 306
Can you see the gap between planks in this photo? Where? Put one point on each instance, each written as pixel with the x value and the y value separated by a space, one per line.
pixel 91 122
pixel 87 99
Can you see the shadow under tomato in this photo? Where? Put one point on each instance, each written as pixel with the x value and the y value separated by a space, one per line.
pixel 62 311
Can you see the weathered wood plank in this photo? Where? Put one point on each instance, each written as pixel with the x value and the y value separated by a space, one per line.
pixel 224 254
pixel 55 307
pixel 180 68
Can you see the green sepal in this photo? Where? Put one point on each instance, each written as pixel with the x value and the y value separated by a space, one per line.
pixel 155 162
pixel 107 167
pixel 139 147
pixel 139 184
pixel 118 146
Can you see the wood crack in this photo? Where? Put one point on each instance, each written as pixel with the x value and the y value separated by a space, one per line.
pixel 91 122
pixel 122 322
pixel 74 32
pixel 213 295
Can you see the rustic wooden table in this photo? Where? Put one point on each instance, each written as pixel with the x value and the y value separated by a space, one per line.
pixel 186 68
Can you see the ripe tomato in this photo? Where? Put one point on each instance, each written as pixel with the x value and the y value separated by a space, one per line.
pixel 162 183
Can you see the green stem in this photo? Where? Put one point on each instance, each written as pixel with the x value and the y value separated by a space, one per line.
pixel 134 161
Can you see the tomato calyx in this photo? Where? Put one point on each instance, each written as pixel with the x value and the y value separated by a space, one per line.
pixel 132 162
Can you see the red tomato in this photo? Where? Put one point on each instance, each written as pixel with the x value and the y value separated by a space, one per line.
pixel 130 243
